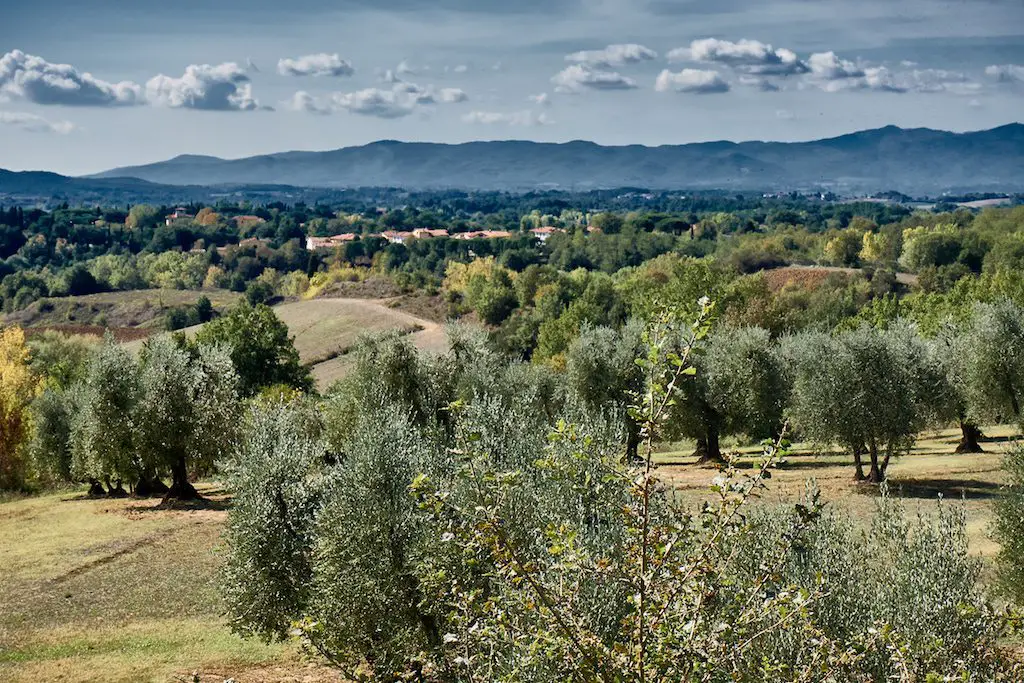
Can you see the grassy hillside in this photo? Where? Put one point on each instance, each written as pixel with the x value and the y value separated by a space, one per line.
pixel 144 308
pixel 122 591
pixel 325 330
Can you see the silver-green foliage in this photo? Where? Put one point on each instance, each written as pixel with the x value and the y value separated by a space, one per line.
pixel 904 592
pixel 481 542
pixel 1009 525
pixel 187 408
pixel 995 361
pixel 103 429
pixel 867 390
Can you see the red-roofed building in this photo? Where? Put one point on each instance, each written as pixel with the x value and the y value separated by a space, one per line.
pixel 314 243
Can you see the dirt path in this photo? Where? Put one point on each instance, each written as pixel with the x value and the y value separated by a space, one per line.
pixel 427 335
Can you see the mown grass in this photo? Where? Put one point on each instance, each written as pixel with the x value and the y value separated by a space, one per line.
pixel 101 590
pixel 929 471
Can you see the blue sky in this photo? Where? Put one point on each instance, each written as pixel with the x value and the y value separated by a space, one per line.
pixel 86 85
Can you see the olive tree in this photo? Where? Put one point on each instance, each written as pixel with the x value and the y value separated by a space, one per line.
pixel 602 374
pixel 949 352
pixel 52 414
pixel 103 429
pixel 186 413
pixel 865 389
pixel 994 364
pixel 739 387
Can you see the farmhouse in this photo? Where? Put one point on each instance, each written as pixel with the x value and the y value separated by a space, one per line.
pixel 543 234
pixel 314 243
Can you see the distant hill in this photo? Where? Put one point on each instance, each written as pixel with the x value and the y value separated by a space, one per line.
pixel 914 161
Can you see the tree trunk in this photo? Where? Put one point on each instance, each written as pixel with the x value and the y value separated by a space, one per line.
pixel 858 451
pixel 708 448
pixel 181 488
pixel 877 474
pixel 1015 404
pixel 150 485
pixel 116 490
pixel 969 441
pixel 632 442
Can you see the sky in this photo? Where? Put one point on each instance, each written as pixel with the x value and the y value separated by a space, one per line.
pixel 88 85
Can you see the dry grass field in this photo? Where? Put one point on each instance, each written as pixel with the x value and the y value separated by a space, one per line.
pixel 144 308
pixel 120 591
pixel 123 591
pixel 929 471
pixel 326 329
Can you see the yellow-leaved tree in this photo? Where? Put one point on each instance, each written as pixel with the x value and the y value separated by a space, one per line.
pixel 18 386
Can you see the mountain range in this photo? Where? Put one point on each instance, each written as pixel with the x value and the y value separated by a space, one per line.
pixel 917 161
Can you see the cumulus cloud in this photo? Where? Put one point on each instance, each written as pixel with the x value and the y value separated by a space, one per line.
pixel 321 64
pixel 938 81
pixel 224 87
pixel 613 55
pixel 304 102
pixel 518 118
pixel 402 99
pixel 540 99
pixel 452 95
pixel 832 74
pixel 1006 73
pixel 762 84
pixel 460 69
pixel 746 56
pixel 37 80
pixel 384 104
pixel 30 123
pixel 579 76
pixel 695 81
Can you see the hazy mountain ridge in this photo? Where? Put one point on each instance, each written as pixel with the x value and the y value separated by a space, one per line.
pixel 917 160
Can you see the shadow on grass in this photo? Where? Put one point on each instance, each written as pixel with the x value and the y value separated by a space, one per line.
pixel 210 504
pixel 953 489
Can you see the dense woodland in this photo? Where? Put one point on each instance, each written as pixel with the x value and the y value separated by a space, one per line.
pixel 495 512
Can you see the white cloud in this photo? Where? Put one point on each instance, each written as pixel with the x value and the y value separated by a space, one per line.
pixel 224 87
pixel 613 55
pixel 402 99
pixel 828 66
pixel 460 69
pixel 452 95
pixel 578 76
pixel 938 81
pixel 384 104
pixel 321 64
pixel 404 68
pixel 1006 73
pixel 303 101
pixel 518 118
pixel 37 80
pixel 31 123
pixel 762 84
pixel 784 115
pixel 695 81
pixel 542 99
pixel 832 74
pixel 746 56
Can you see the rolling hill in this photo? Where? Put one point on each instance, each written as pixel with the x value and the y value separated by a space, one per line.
pixel 914 161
